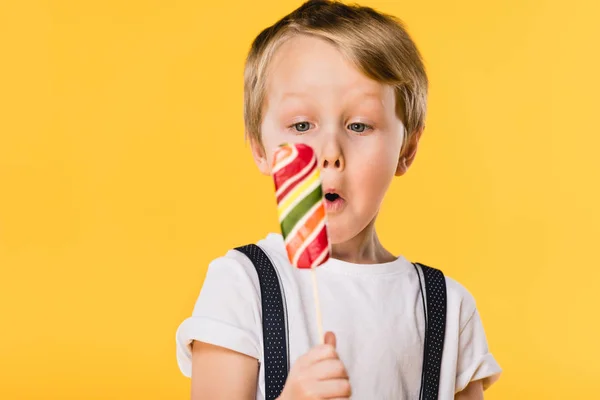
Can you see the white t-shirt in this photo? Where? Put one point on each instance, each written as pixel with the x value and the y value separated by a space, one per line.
pixel 376 312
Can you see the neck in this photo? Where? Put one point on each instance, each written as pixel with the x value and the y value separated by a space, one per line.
pixel 364 248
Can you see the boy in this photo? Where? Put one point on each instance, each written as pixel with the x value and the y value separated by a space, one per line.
pixel 350 82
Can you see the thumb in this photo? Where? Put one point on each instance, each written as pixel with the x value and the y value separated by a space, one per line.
pixel 330 339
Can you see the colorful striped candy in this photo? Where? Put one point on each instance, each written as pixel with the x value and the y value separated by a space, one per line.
pixel 300 205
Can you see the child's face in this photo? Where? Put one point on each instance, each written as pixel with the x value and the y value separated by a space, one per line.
pixel 315 96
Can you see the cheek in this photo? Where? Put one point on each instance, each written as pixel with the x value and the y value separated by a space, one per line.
pixel 375 178
pixel 270 140
pixel 274 136
pixel 373 174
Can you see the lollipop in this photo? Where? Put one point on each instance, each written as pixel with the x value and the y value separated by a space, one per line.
pixel 300 205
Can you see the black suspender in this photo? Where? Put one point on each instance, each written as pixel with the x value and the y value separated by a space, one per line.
pixel 273 319
pixel 275 335
pixel 434 306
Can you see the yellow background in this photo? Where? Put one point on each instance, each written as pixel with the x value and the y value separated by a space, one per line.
pixel 123 172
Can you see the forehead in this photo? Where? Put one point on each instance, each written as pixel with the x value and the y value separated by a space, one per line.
pixel 308 66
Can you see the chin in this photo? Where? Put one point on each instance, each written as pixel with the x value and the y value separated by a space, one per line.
pixel 332 234
pixel 343 230
pixel 339 234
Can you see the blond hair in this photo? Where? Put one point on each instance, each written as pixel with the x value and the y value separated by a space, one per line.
pixel 377 44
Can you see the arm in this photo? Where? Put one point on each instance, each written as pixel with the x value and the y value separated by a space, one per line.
pixel 220 373
pixel 473 391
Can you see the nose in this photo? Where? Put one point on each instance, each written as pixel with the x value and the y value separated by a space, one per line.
pixel 332 156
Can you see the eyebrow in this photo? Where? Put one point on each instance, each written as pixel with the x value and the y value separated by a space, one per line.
pixel 287 95
pixel 372 95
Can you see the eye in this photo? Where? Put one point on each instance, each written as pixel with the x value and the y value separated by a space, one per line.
pixel 358 127
pixel 301 126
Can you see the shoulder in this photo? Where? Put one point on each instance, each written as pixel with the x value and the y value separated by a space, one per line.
pixel 457 295
pixel 456 291
pixel 461 304
pixel 230 269
pixel 235 268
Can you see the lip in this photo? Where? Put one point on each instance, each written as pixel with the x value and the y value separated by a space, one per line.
pixel 333 190
pixel 336 206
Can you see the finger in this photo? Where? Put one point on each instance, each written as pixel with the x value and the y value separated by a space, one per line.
pixel 334 388
pixel 317 354
pixel 330 339
pixel 329 369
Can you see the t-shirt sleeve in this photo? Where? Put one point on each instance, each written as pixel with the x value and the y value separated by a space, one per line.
pixel 226 313
pixel 475 362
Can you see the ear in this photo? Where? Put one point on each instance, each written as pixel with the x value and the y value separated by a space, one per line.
pixel 259 155
pixel 410 151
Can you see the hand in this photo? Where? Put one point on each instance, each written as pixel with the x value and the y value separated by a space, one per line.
pixel 319 374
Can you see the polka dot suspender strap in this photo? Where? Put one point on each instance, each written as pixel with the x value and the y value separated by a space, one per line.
pixel 434 305
pixel 273 321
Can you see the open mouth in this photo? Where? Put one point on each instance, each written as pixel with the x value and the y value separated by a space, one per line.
pixel 334 203
pixel 331 196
